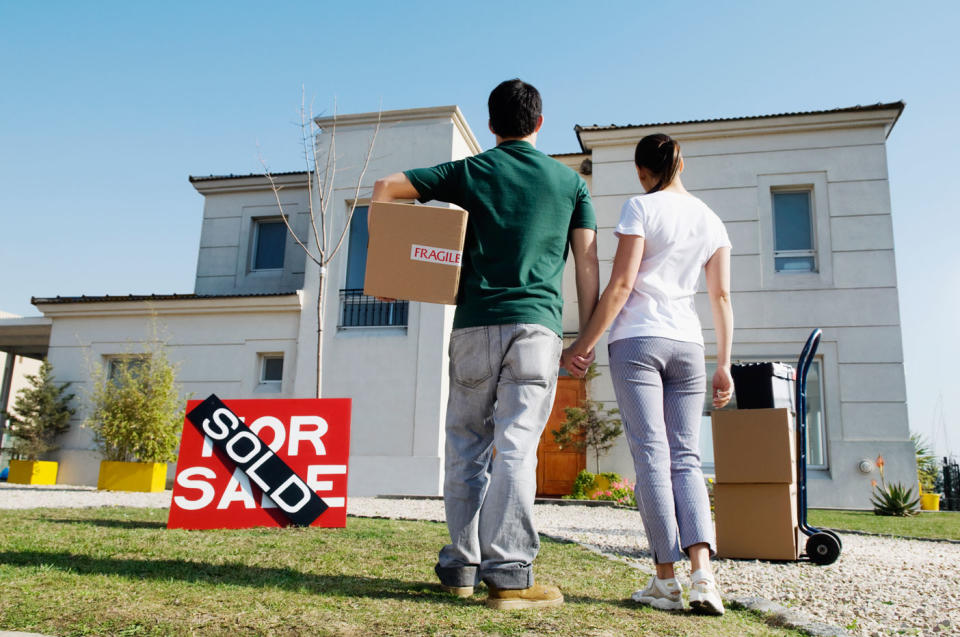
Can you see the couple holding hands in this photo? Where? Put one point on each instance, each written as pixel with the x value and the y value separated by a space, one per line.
pixel 526 213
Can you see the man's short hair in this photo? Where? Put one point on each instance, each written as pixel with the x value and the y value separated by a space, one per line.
pixel 515 108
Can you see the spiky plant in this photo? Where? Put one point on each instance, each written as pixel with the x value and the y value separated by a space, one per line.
pixel 894 499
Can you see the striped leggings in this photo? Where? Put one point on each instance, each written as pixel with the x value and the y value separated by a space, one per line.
pixel 660 384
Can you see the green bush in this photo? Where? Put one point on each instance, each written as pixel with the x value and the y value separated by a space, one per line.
pixel 589 426
pixel 928 470
pixel 41 412
pixel 616 489
pixel 582 486
pixel 137 413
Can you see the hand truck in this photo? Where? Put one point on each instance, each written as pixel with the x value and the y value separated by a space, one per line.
pixel 823 545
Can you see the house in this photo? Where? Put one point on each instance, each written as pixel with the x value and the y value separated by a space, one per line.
pixel 805 198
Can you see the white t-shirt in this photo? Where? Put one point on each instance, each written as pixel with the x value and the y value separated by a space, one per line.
pixel 680 235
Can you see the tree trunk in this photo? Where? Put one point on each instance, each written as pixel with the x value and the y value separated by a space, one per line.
pixel 320 295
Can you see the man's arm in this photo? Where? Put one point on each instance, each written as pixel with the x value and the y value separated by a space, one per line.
pixel 394 187
pixel 583 242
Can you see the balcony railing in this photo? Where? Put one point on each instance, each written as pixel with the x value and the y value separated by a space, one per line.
pixel 360 310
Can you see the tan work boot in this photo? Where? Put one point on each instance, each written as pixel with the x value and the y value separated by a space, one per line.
pixel 537 596
pixel 459 591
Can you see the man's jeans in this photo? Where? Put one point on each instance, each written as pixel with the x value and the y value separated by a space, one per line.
pixel 502 383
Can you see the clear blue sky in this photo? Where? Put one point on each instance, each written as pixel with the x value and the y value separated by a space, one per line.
pixel 106 107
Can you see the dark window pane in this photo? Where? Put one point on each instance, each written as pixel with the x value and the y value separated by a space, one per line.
pixel 357 250
pixel 272 369
pixel 271 238
pixel 791 219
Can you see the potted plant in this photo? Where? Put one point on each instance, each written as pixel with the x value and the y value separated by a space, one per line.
pixel 136 416
pixel 40 412
pixel 589 426
pixel 928 470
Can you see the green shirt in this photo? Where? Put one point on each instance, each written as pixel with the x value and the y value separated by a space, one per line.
pixel 522 207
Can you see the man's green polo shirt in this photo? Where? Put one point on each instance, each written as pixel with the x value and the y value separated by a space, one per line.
pixel 522 207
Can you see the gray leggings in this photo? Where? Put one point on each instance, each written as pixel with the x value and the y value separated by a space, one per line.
pixel 659 383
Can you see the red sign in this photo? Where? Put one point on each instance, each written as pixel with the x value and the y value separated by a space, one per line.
pixel 312 436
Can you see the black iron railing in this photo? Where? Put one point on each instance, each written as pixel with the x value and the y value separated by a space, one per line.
pixel 951 486
pixel 360 310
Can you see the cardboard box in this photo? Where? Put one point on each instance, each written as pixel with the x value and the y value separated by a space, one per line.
pixel 754 445
pixel 414 252
pixel 757 521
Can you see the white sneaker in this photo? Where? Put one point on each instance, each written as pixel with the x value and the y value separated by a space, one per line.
pixel 664 594
pixel 704 597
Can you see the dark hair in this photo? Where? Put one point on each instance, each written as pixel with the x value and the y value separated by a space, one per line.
pixel 660 154
pixel 515 108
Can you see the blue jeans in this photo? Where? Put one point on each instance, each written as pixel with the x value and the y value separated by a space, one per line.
pixel 502 384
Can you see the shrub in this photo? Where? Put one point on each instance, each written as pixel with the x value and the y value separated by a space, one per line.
pixel 136 412
pixel 928 469
pixel 604 486
pixel 40 413
pixel 582 486
pixel 590 425
pixel 895 499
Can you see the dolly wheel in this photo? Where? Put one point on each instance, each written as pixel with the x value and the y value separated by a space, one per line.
pixel 823 548
pixel 834 535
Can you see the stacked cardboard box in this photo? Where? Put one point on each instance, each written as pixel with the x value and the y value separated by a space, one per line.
pixel 755 491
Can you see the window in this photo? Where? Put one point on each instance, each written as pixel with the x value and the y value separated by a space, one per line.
pixel 116 365
pixel 816 438
pixel 269 240
pixel 271 368
pixel 793 245
pixel 357 309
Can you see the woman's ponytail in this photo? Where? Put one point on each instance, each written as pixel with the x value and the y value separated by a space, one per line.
pixel 660 154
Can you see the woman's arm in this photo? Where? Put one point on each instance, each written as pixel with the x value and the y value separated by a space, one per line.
pixel 718 288
pixel 626 263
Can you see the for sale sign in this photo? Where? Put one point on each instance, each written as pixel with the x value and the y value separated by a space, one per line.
pixel 247 463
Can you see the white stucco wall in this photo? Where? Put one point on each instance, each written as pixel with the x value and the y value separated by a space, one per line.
pixel 217 344
pixel 853 297
pixel 230 211
pixel 396 376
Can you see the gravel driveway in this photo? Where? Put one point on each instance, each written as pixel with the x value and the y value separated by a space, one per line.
pixel 879 585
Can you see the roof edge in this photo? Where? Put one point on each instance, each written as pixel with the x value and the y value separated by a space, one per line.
pixel 899 105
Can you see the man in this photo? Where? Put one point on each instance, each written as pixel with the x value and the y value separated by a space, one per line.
pixel 526 211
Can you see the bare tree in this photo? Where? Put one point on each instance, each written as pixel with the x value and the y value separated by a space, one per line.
pixel 321 177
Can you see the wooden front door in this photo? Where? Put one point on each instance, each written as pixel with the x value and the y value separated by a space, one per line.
pixel 558 468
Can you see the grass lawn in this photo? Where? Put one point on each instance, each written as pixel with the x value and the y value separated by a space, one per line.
pixel 930 524
pixel 121 572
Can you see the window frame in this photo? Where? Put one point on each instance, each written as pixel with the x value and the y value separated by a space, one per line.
pixel 255 240
pixel 397 312
pixel 816 184
pixel 809 252
pixel 261 376
pixel 113 359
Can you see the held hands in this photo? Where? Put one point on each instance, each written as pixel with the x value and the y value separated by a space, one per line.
pixel 722 386
pixel 576 364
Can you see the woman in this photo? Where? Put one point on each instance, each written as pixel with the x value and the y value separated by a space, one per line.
pixel 657 363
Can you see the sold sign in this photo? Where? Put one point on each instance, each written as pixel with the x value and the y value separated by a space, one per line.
pixel 262 463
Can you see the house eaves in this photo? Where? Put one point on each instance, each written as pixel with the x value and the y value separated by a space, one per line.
pixel 885 114
pixel 145 305
pixel 254 181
